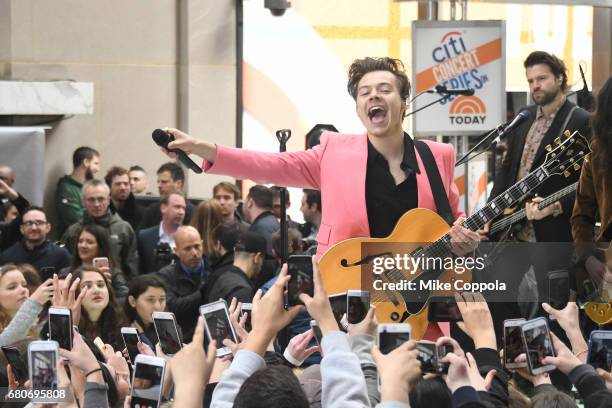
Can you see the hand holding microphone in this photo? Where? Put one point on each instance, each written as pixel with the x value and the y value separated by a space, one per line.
pixel 177 144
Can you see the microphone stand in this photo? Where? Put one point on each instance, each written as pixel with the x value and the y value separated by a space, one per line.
pixel 283 136
pixel 496 131
pixel 443 98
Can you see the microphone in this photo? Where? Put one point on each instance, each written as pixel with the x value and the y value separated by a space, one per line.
pixel 163 138
pixel 518 119
pixel 444 90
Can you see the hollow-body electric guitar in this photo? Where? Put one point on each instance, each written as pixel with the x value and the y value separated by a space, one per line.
pixel 341 266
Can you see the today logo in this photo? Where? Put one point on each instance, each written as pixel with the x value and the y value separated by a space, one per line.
pixel 467 110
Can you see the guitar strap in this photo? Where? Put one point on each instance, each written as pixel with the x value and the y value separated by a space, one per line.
pixel 437 188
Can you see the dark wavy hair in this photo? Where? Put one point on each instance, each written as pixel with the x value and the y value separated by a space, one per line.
pixel 104 245
pixel 360 67
pixel 556 65
pixel 601 122
pixel 108 327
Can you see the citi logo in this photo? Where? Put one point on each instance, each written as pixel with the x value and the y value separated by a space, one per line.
pixel 467 110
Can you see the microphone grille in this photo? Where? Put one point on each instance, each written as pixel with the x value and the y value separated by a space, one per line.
pixel 160 137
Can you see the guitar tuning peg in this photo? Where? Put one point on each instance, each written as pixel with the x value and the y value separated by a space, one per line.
pixel 558 141
pixel 566 173
pixel 548 148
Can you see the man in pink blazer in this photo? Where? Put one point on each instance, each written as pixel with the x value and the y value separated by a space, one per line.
pixel 366 181
pixel 350 169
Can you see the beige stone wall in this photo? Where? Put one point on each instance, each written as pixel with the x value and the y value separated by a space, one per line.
pixel 153 64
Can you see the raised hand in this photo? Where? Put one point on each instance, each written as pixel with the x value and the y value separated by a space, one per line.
pixel 43 293
pixel 64 295
pixel 319 306
pixel 477 320
pixel 398 371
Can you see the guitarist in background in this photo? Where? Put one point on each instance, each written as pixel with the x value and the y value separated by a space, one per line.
pixel 550 116
pixel 367 181
pixel 594 194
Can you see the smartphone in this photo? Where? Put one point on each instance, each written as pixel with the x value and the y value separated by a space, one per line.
pixel 513 343
pixel 338 305
pixel 147 381
pixel 20 370
pixel 301 281
pixel 60 326
pixel 443 309
pixel 167 333
pixel 248 309
pixel 558 289
pixel 429 355
pixel 538 344
pixel 317 332
pixel 42 360
pixel 46 272
pixel 101 262
pixel 218 325
pixel 600 349
pixel 357 305
pixel 392 335
pixel 130 339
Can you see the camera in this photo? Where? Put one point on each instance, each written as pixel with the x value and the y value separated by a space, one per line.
pixel 277 7
pixel 163 255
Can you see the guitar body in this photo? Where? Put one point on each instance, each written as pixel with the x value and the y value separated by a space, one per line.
pixel 599 308
pixel 417 226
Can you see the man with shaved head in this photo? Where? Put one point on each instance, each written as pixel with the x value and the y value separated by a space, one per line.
pixel 185 279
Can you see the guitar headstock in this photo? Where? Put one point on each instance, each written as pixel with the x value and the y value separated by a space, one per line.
pixel 566 154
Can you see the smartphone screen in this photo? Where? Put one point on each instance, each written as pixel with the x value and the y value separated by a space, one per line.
pixel 146 387
pixel 168 336
pixel 389 341
pixel 600 351
pixel 539 345
pixel 444 310
pixel 60 330
pixel 513 343
pixel 219 326
pixel 338 305
pixel 558 289
pixel 43 366
pixel 427 357
pixel 357 307
pixel 131 343
pixel 300 270
pixel 20 370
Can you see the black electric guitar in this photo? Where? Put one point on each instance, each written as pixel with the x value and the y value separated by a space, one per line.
pixel 502 227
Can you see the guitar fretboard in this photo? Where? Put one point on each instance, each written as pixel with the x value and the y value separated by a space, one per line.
pixel 489 212
pixel 519 215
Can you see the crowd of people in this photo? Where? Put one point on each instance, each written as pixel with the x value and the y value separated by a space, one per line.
pixel 116 260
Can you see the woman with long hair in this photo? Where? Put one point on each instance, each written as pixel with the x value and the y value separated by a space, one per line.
pixel 205 219
pixel 147 294
pixel 93 241
pixel 18 309
pixel 594 194
pixel 101 315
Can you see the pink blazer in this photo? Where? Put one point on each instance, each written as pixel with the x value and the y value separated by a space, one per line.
pixel 336 167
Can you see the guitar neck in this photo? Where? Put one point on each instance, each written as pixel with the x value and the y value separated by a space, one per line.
pixel 493 209
pixel 521 214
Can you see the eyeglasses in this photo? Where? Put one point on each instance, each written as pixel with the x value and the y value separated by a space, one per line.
pixel 38 223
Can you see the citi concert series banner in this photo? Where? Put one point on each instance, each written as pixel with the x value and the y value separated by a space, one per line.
pixel 459 55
